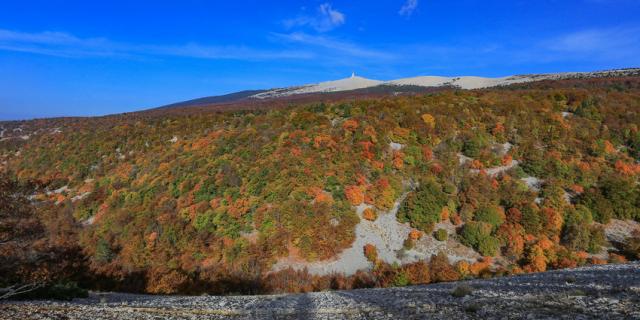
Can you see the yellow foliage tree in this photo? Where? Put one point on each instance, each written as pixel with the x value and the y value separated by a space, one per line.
pixel 429 120
pixel 537 260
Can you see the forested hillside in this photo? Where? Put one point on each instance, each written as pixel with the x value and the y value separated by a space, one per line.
pixel 527 176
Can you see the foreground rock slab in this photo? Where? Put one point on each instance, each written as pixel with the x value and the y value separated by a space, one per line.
pixel 595 292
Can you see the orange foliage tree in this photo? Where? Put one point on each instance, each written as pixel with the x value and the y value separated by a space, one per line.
pixel 354 194
pixel 370 252
pixel 369 214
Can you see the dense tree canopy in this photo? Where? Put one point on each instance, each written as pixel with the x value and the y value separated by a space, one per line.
pixel 208 200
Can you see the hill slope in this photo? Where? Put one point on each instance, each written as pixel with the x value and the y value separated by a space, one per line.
pixel 236 96
pixel 385 191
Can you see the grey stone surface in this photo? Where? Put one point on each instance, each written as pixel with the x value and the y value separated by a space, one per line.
pixel 595 292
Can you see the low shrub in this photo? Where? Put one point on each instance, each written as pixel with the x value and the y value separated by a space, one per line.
pixel 441 235
pixel 462 290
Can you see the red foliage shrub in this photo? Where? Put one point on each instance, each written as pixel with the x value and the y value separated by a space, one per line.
pixel 441 270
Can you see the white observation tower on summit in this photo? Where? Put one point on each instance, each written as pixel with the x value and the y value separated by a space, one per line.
pixel 353 74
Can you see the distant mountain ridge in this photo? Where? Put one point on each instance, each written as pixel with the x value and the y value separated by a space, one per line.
pixel 355 82
pixel 215 99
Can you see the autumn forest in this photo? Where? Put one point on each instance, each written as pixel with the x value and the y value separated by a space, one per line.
pixel 524 178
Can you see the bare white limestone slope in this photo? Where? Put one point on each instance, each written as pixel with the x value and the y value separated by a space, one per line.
pixel 352 83
pixel 466 82
pixel 463 82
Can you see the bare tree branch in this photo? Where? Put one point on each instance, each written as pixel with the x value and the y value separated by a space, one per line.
pixel 17 289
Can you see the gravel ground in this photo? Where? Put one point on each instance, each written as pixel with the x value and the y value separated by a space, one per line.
pixel 596 292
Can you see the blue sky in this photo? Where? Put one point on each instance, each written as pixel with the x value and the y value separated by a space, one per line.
pixel 76 58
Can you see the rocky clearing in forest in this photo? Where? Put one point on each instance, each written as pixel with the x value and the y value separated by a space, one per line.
pixel 387 234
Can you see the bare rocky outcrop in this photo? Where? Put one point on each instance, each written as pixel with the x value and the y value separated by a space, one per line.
pixel 594 292
pixel 618 231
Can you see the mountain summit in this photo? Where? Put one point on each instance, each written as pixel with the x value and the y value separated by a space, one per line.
pixel 352 83
pixel 463 82
pixel 355 82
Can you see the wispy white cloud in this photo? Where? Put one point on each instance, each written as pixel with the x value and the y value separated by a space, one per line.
pixel 67 45
pixel 227 52
pixel 59 44
pixel 296 46
pixel 325 19
pixel 335 47
pixel 616 46
pixel 46 37
pixel 606 48
pixel 408 8
pixel 597 41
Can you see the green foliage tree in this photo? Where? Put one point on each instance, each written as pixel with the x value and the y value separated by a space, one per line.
pixel 103 253
pixel 422 207
pixel 623 193
pixel 441 235
pixel 478 236
pixel 600 207
pixel 588 108
pixel 531 220
pixel 491 215
pixel 473 145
